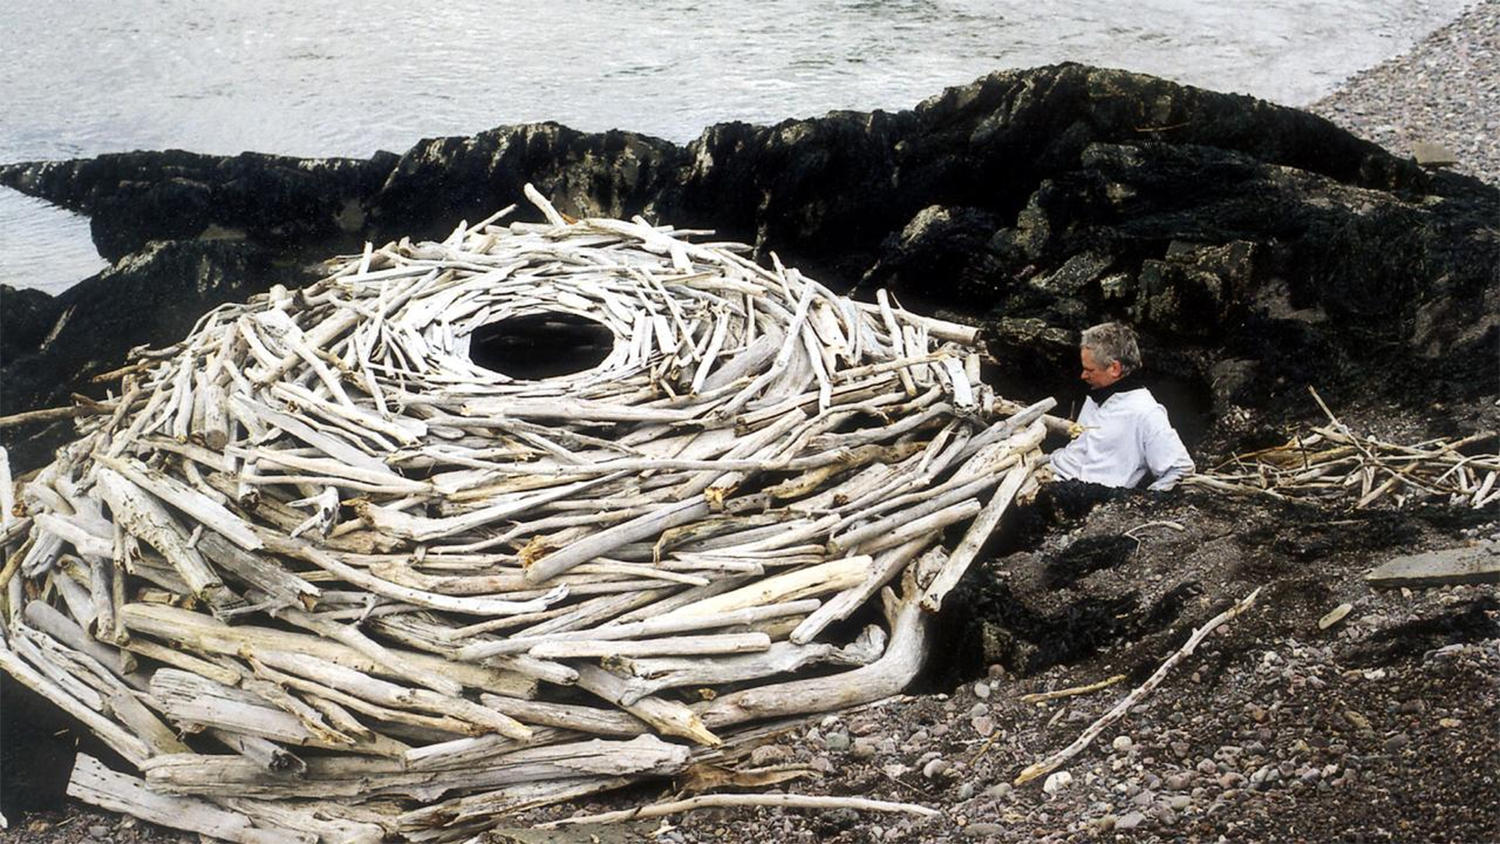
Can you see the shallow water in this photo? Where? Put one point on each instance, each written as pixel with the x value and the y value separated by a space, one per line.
pixel 87 77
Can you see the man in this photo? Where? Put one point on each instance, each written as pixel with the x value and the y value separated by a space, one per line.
pixel 1125 432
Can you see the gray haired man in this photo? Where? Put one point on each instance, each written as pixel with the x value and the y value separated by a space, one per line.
pixel 1125 432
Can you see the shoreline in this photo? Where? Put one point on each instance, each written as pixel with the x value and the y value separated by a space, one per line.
pixel 1442 91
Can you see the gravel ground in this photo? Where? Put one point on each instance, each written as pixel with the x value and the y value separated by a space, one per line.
pixel 1445 91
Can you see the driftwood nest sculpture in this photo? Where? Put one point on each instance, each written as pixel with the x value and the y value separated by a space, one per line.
pixel 318 575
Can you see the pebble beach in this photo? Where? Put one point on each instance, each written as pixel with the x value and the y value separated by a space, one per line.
pixel 1444 91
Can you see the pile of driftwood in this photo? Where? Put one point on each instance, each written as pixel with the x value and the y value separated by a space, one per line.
pixel 1335 464
pixel 317 575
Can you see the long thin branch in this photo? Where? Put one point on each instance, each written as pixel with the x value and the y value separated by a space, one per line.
pixel 1053 762
pixel 707 801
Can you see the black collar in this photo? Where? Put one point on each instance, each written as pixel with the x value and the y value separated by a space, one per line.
pixel 1124 385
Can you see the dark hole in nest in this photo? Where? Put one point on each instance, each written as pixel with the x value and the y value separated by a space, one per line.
pixel 536 346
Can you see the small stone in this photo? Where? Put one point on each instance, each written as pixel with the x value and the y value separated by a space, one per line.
pixel 983 725
pixel 1208 766
pixel 770 754
pixel 936 768
pixel 982 690
pixel 99 831
pixel 999 791
pixel 985 830
pixel 1122 743
pixel 862 748
pixel 965 791
pixel 1231 779
pixel 1106 823
pixel 1449 723
pixel 1180 801
pixel 1430 154
pixel 821 764
pixel 837 742
pixel 1057 782
pixel 1396 742
pixel 843 818
pixel 1334 616
pixel 1130 820
pixel 1179 781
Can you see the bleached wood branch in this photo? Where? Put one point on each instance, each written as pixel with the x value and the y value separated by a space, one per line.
pixel 1051 763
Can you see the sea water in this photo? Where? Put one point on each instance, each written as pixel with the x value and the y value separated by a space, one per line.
pixel 84 77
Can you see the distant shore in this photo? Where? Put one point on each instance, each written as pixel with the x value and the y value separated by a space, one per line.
pixel 1443 91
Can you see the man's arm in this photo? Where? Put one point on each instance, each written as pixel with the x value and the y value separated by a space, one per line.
pixel 1166 456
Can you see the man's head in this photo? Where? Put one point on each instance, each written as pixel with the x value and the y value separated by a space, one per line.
pixel 1108 352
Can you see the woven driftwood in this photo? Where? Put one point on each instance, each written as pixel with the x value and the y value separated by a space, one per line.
pixel 314 555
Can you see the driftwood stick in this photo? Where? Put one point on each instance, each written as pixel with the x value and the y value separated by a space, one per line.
pixel 727 643
pixel 650 627
pixel 204 510
pixel 887 565
pixel 979 531
pixel 97 785
pixel 889 675
pixel 145 518
pixel 651 675
pixel 1051 763
pixel 51 414
pixel 49 620
pixel 707 801
pixel 270 755
pixel 829 577
pixel 665 716
pixel 203 633
pixel 1040 697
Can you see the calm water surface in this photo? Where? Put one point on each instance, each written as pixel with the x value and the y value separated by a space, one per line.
pixel 83 77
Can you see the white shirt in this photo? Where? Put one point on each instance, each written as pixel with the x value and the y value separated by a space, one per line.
pixel 1124 438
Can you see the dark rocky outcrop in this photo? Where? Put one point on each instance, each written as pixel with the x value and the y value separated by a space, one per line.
pixel 133 198
pixel 1258 248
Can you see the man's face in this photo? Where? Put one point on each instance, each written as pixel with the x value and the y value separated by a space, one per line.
pixel 1098 376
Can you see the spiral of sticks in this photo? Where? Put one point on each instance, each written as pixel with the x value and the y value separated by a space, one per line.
pixel 329 569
